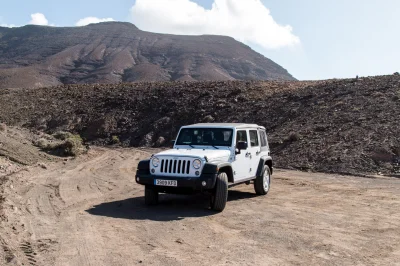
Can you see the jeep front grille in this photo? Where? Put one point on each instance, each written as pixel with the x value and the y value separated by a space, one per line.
pixel 175 166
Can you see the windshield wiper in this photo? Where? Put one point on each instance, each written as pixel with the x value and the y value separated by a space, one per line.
pixel 215 147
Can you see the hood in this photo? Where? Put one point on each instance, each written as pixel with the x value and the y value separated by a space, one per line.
pixel 212 155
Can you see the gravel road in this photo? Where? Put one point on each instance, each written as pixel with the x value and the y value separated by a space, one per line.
pixel 89 211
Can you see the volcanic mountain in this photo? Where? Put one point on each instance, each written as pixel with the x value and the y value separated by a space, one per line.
pixel 114 52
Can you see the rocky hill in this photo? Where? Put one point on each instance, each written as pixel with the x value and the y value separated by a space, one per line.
pixel 345 126
pixel 114 52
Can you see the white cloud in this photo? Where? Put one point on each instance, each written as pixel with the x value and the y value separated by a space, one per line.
pixel 247 21
pixel 91 20
pixel 8 25
pixel 38 19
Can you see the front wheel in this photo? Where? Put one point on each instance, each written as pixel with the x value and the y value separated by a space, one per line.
pixel 263 182
pixel 219 196
pixel 150 196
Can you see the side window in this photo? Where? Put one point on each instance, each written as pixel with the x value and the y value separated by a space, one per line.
pixel 241 136
pixel 263 139
pixel 254 138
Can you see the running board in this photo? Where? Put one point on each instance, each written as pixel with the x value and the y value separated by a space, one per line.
pixel 241 182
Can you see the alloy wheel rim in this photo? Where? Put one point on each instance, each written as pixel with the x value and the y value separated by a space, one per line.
pixel 266 180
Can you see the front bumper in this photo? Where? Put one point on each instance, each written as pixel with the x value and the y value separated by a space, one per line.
pixel 185 184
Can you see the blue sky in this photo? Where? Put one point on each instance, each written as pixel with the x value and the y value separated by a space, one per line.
pixel 326 39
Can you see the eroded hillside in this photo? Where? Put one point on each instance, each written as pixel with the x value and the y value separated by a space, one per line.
pixel 346 126
pixel 114 52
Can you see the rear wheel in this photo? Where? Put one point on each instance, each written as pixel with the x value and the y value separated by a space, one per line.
pixel 263 182
pixel 220 194
pixel 150 196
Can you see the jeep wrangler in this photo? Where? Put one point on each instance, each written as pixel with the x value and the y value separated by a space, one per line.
pixel 209 158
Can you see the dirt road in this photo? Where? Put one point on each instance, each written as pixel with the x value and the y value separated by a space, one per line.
pixel 89 211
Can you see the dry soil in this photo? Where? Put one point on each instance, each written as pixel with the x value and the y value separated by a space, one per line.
pixel 89 211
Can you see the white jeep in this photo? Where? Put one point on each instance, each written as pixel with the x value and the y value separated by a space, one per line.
pixel 209 158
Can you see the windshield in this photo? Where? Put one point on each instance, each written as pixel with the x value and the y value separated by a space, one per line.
pixel 205 137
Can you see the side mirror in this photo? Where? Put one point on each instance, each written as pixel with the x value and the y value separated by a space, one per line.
pixel 241 145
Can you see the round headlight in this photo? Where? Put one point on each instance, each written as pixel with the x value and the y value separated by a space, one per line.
pixel 155 162
pixel 196 164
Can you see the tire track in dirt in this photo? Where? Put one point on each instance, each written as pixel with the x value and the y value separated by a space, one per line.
pixel 54 199
pixel 90 211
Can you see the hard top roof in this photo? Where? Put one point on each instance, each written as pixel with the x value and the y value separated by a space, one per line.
pixel 231 125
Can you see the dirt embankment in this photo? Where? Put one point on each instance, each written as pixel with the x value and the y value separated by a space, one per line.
pixel 89 211
pixel 18 150
pixel 342 126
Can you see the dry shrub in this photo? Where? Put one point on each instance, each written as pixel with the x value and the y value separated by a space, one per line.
pixel 68 144
pixel 42 143
pixel 115 140
pixel 73 146
pixel 61 135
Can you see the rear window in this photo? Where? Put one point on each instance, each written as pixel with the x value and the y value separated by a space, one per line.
pixel 263 139
pixel 254 138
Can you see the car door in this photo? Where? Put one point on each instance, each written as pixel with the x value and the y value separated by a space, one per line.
pixel 254 151
pixel 241 162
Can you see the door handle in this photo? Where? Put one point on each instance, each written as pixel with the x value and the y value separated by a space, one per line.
pixel 258 152
pixel 248 154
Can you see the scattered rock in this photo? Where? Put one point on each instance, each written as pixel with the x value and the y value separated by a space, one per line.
pixel 179 241
pixel 3 127
pixel 160 142
pixel 293 136
pixel 208 119
pixel 147 140
pixel 42 165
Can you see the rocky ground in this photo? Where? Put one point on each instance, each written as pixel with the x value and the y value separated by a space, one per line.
pixel 342 126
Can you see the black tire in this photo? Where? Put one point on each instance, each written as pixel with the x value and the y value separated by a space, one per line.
pixel 219 196
pixel 150 196
pixel 259 183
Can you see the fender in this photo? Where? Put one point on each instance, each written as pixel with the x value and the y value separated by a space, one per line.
pixel 144 164
pixel 263 161
pixel 143 168
pixel 214 168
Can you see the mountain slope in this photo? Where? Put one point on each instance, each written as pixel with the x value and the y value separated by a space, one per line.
pixel 113 52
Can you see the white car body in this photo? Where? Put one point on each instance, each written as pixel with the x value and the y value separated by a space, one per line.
pixel 244 165
pixel 209 158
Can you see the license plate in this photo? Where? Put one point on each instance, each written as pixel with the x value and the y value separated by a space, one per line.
pixel 166 183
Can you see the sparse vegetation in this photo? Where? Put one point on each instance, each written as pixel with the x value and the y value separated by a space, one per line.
pixel 65 144
pixel 61 135
pixel 42 143
pixel 73 146
pixel 115 140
